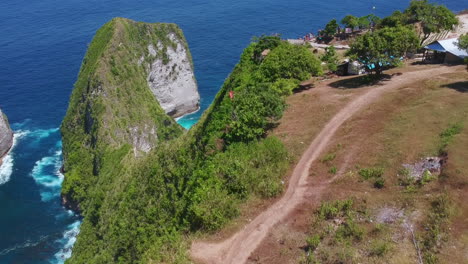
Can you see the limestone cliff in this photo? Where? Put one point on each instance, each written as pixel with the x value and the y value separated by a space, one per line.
pixel 6 135
pixel 132 75
pixel 172 80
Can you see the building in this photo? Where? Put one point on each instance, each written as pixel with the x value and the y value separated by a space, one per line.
pixel 444 51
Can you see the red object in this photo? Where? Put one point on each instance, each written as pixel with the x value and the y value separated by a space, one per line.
pixel 231 94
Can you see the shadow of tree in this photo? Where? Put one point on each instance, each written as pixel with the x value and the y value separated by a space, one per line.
pixel 462 87
pixel 361 81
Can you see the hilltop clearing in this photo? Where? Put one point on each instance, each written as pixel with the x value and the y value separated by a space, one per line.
pixel 269 237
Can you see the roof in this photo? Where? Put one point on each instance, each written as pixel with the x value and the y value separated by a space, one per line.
pixel 447 45
pixel 265 52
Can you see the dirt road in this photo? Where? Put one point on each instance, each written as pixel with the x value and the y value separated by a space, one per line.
pixel 238 248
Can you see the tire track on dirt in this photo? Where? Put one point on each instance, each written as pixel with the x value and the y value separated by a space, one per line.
pixel 238 248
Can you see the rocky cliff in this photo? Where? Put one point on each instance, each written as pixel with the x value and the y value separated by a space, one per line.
pixel 132 75
pixel 6 135
pixel 171 78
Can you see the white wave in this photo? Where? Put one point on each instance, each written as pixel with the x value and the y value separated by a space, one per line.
pixel 6 169
pixel 26 244
pixel 46 173
pixel 68 240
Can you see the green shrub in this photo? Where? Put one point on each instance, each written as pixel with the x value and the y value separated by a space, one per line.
pixel 331 210
pixel 405 178
pixel 426 177
pixel 333 170
pixel 368 173
pixel 379 183
pixel 349 230
pixel 313 242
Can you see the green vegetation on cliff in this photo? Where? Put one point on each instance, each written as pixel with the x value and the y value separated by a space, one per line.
pixel 139 210
pixel 111 107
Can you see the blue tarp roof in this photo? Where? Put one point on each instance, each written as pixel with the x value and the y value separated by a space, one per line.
pixel 435 46
pixel 448 45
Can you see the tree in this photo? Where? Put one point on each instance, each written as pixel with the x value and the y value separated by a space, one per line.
pixel 289 61
pixel 330 29
pixel 373 19
pixel 383 48
pixel 331 58
pixel 397 18
pixel 350 21
pixel 463 44
pixel 363 23
pixel 263 43
pixel 432 18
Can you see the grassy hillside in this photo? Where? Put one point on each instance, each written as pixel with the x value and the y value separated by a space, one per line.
pixel 140 210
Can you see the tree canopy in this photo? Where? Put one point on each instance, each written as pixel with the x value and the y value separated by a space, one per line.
pixel 331 58
pixel 463 44
pixel 350 21
pixel 383 48
pixel 263 43
pixel 433 18
pixel 397 18
pixel 330 29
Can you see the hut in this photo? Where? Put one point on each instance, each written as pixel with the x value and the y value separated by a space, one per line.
pixel 444 51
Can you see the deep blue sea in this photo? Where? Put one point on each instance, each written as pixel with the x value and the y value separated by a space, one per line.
pixel 42 44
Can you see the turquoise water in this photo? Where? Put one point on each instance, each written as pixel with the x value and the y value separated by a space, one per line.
pixel 42 44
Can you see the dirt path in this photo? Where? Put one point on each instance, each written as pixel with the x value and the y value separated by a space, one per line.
pixel 238 248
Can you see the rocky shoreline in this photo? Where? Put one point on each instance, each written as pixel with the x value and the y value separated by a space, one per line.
pixel 6 136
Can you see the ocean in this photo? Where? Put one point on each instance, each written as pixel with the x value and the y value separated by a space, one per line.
pixel 42 44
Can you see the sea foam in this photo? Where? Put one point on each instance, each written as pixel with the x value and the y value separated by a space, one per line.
pixel 67 242
pixel 6 169
pixel 46 174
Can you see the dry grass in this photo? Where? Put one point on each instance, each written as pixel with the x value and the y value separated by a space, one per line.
pixel 402 127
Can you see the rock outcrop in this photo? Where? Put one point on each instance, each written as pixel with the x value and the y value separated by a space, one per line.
pixel 6 135
pixel 172 80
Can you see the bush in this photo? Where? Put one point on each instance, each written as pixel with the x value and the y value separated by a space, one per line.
pixel 379 183
pixel 368 173
pixel 349 230
pixel 333 170
pixel 330 210
pixel 213 209
pixel 313 242
pixel 285 86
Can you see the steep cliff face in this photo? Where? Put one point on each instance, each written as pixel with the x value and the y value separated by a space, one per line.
pixel 172 80
pixel 130 70
pixel 6 135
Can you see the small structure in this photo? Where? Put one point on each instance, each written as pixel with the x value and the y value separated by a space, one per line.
pixel 356 68
pixel 265 53
pixel 444 51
